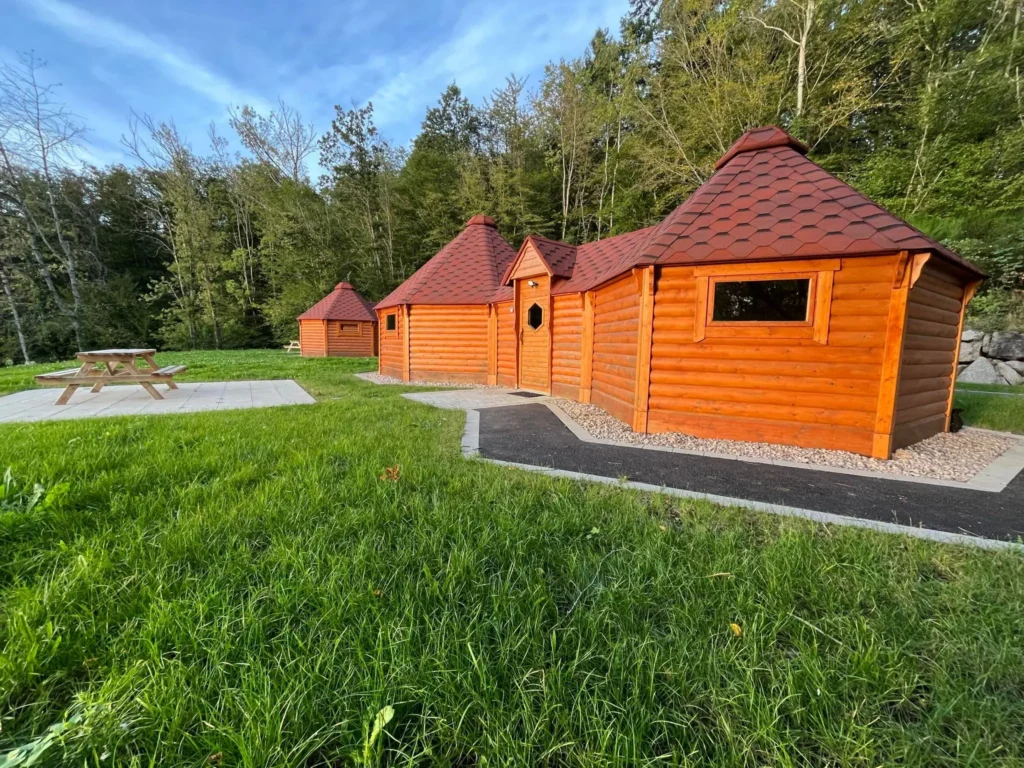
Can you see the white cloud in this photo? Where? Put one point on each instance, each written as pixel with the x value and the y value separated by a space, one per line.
pixel 101 32
pixel 490 43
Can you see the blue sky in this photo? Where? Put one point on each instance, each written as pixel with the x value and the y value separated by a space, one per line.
pixel 187 60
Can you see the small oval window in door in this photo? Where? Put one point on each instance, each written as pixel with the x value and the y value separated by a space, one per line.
pixel 535 316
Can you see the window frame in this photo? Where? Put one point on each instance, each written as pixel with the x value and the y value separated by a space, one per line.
pixel 542 316
pixel 389 317
pixel 348 329
pixel 813 329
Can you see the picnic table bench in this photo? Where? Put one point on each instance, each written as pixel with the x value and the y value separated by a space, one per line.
pixel 112 366
pixel 292 346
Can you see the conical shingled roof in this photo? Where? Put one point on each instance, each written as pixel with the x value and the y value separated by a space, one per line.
pixel 768 201
pixel 343 303
pixel 467 270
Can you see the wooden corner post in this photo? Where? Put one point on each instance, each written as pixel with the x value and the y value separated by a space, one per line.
pixel 587 351
pixel 645 336
pixel 406 331
pixel 892 357
pixel 969 291
pixel 492 345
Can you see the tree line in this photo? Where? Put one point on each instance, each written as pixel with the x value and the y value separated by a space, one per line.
pixel 918 103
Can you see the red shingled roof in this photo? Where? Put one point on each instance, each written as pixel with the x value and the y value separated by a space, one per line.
pixel 466 271
pixel 343 303
pixel 559 257
pixel 767 201
pixel 600 261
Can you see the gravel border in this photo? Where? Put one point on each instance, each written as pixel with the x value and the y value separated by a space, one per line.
pixel 956 456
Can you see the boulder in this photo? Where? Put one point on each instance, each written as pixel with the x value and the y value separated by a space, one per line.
pixel 1005 345
pixel 981 371
pixel 961 368
pixel 970 351
pixel 1012 377
pixel 969 335
pixel 1017 365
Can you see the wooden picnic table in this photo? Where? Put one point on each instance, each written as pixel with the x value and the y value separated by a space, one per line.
pixel 113 366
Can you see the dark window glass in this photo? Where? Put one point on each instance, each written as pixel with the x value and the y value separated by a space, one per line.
pixel 535 316
pixel 390 322
pixel 762 301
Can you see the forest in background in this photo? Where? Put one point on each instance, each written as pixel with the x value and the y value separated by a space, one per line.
pixel 919 104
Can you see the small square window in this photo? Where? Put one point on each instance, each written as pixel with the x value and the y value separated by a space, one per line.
pixel 535 316
pixel 761 301
pixel 390 322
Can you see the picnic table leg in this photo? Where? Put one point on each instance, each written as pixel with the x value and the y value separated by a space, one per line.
pixel 152 391
pixel 151 362
pixel 98 386
pixel 69 390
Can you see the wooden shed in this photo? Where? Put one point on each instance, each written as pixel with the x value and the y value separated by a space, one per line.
pixel 777 304
pixel 342 324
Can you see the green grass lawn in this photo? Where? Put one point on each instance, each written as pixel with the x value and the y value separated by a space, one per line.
pixel 251 588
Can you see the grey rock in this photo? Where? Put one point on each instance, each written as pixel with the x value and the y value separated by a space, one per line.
pixel 961 368
pixel 970 351
pixel 969 335
pixel 1005 345
pixel 981 371
pixel 1017 365
pixel 1012 377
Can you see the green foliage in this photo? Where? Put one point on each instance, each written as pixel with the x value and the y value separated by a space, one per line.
pixel 918 105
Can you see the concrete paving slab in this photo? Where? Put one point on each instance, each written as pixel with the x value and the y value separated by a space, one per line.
pixel 132 400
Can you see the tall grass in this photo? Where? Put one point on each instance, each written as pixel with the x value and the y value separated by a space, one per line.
pixel 254 588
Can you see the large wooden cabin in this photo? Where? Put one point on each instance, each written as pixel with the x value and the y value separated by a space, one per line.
pixel 342 324
pixel 776 304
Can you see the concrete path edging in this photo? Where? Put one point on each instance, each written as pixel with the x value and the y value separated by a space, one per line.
pixel 471 450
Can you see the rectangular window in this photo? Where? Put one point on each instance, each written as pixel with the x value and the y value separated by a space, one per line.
pixel 761 301
pixel 390 322
pixel 350 329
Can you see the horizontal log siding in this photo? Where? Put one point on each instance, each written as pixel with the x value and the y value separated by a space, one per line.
pixel 929 349
pixel 795 392
pixel 616 322
pixel 506 344
pixel 391 347
pixel 360 344
pixel 311 338
pixel 566 328
pixel 448 343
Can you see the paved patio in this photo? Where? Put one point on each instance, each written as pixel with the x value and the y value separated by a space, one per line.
pixel 132 400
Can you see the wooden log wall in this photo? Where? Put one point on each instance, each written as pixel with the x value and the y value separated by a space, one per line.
pixel 356 339
pixel 928 366
pixel 566 344
pixel 311 338
pixel 791 391
pixel 616 322
pixel 392 348
pixel 506 344
pixel 448 343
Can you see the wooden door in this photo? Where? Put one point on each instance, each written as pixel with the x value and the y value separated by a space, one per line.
pixel 535 334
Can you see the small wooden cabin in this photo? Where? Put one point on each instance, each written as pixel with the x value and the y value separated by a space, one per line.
pixel 777 304
pixel 342 324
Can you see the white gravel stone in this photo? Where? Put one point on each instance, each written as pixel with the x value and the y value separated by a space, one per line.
pixel 955 456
